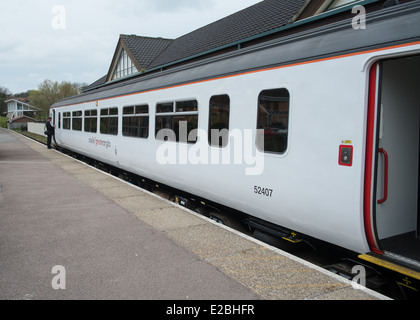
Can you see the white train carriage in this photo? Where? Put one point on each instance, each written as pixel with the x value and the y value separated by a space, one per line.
pixel 336 108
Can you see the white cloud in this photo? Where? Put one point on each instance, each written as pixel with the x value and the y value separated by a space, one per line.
pixel 31 50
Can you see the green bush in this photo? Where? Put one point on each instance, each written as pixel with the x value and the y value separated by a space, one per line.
pixel 3 122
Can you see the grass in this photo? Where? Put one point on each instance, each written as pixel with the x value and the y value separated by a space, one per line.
pixel 35 136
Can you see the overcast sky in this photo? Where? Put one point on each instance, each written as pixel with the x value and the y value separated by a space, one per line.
pixel 74 40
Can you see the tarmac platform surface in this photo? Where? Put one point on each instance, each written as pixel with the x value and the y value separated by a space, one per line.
pixel 114 240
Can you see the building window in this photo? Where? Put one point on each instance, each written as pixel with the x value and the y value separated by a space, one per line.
pixel 20 110
pixel 109 121
pixel 218 134
pixel 273 120
pixel 66 120
pixel 77 120
pixel 180 123
pixel 136 121
pixel 91 121
pixel 124 66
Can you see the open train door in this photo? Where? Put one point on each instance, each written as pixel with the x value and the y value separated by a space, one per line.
pixel 391 199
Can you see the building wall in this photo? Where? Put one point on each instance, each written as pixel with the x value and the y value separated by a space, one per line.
pixel 17 125
pixel 11 106
pixel 21 123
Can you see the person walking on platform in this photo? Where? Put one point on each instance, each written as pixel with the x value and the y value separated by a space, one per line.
pixel 49 132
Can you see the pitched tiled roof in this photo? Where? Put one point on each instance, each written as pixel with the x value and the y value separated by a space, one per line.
pixel 257 19
pixel 262 17
pixel 19 99
pixel 95 84
pixel 145 49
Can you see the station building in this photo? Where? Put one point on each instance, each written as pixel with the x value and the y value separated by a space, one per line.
pixel 267 20
pixel 19 112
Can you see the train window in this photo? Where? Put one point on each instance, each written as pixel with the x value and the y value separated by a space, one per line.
pixel 66 120
pixel 185 106
pixel 91 121
pixel 128 110
pixel 77 121
pixel 182 123
pixel 273 120
pixel 136 121
pixel 165 107
pixel 113 112
pixel 218 134
pixel 59 120
pixel 109 121
pixel 142 109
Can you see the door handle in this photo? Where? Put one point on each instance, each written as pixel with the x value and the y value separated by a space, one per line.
pixel 386 158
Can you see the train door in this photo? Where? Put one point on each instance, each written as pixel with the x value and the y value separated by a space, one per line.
pixel 392 192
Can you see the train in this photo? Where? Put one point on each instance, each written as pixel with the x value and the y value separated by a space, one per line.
pixel 314 134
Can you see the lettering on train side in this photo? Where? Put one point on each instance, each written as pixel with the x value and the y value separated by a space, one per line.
pixel 100 143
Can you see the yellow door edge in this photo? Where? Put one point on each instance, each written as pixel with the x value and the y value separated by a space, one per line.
pixel 390 266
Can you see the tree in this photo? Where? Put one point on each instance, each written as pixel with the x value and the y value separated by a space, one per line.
pixel 22 94
pixel 4 93
pixel 49 92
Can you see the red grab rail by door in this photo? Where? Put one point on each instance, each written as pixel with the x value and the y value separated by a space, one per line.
pixel 386 158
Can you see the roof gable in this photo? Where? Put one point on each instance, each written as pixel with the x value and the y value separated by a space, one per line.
pixel 135 54
pixel 21 101
pixel 145 49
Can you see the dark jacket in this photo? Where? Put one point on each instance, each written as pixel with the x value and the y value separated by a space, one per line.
pixel 50 128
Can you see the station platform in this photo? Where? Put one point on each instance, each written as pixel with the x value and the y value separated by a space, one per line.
pixel 69 231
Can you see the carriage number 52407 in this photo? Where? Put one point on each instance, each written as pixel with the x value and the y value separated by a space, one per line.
pixel 263 191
